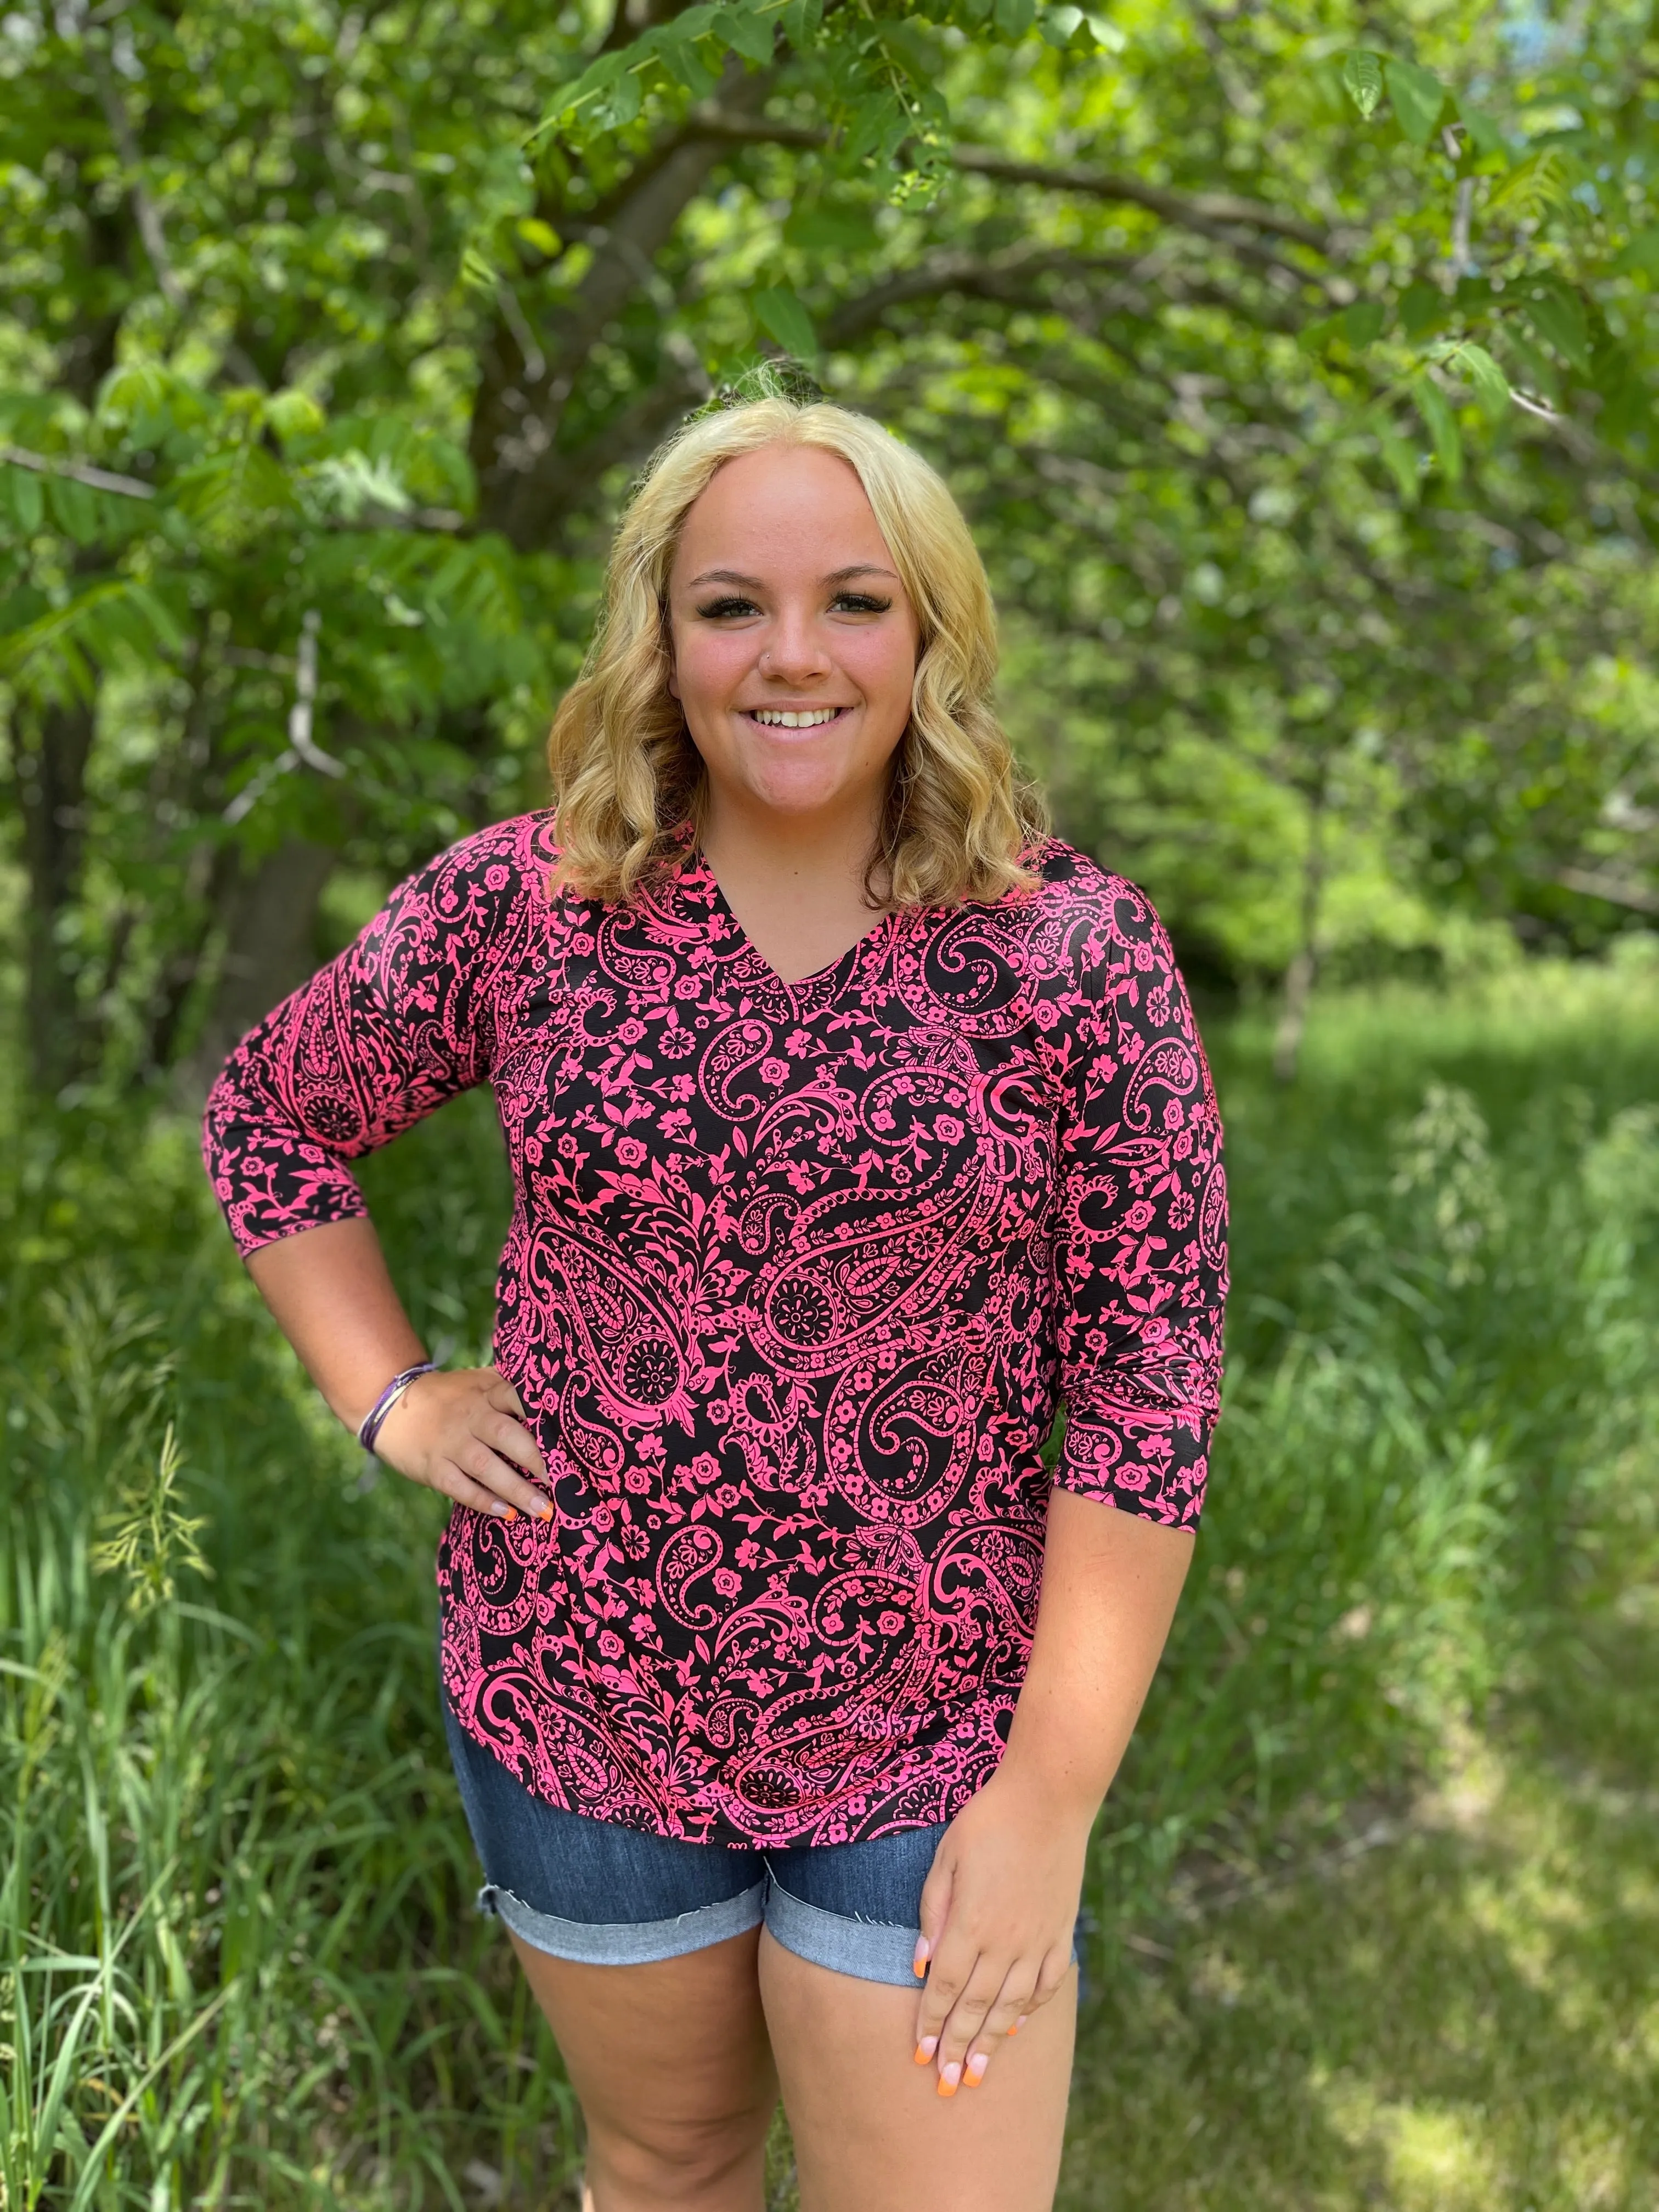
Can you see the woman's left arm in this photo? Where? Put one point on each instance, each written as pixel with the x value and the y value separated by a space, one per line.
pixel 1140 1280
pixel 999 1905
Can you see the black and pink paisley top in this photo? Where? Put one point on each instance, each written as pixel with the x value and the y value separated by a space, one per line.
pixel 797 1277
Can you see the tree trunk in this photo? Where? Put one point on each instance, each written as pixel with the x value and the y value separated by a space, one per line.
pixel 1304 970
pixel 50 770
pixel 268 948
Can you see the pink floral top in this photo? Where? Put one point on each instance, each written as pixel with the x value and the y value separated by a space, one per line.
pixel 796 1276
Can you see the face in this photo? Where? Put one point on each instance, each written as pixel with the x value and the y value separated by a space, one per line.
pixel 794 642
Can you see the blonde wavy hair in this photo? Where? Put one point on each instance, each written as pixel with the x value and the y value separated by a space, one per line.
pixel 629 784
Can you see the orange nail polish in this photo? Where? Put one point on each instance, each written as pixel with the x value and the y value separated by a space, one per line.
pixel 922 2056
pixel 947 2088
pixel 976 2073
pixel 950 2077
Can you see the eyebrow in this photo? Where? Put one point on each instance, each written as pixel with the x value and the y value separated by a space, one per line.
pixel 755 583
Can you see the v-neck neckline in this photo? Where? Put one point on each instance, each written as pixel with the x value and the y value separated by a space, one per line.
pixel 819 978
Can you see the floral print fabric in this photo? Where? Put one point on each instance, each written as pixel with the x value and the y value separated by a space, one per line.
pixel 796 1277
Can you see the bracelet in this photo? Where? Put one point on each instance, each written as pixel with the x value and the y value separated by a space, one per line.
pixel 375 1419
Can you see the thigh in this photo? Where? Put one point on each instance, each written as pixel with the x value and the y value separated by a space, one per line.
pixel 672 2067
pixel 871 2132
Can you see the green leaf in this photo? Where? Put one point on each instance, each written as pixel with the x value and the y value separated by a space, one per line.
pixel 542 235
pixel 781 315
pixel 1422 308
pixel 1060 25
pixel 746 33
pixel 1485 134
pixel 1640 256
pixel 1362 80
pixel 1418 98
pixel 1399 458
pixel 800 21
pixel 1492 387
pixel 1558 317
pixel 1361 323
pixel 1014 17
pixel 1541 184
pixel 24 496
pixel 1441 423
pixel 294 414
pixel 879 126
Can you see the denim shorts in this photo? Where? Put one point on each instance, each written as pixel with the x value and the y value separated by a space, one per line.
pixel 610 1896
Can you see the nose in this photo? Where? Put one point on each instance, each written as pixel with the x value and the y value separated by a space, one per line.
pixel 794 652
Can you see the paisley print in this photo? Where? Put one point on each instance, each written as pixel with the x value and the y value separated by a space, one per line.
pixel 797 1277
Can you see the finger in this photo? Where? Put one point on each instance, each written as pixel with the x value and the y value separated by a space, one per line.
pixel 966 2018
pixel 452 1481
pixel 935 1906
pixel 1012 2004
pixel 502 1394
pixel 476 1459
pixel 512 1440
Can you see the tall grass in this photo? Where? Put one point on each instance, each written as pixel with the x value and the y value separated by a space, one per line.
pixel 238 1964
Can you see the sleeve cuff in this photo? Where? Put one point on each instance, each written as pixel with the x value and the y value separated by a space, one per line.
pixel 1159 1474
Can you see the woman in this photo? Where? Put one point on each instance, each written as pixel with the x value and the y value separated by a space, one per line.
pixel 852 1123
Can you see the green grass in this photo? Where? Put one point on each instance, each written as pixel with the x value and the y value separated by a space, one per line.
pixel 238 1964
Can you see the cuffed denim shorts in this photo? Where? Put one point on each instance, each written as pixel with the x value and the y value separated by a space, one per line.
pixel 610 1896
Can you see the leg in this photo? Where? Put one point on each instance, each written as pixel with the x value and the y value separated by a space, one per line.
pixel 671 2065
pixel 870 2133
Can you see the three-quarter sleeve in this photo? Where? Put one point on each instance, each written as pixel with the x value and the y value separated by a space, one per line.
pixel 1140 1254
pixel 400 1022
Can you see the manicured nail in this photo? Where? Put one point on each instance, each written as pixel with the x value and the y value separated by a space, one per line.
pixel 949 2078
pixel 503 1513
pixel 1020 2023
pixel 976 2066
pixel 919 1964
pixel 545 1513
pixel 925 2049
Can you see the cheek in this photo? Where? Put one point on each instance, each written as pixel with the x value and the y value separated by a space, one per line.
pixel 707 664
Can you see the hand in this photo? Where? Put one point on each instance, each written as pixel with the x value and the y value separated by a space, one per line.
pixel 462 1432
pixel 998 1912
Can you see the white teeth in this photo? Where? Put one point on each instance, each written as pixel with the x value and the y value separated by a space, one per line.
pixel 809 720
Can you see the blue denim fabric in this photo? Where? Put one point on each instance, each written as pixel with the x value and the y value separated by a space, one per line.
pixel 612 1896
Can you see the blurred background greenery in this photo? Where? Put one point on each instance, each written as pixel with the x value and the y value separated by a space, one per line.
pixel 1294 364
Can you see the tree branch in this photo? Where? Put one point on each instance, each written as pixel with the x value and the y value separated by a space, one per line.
pixel 1202 211
pixel 48 465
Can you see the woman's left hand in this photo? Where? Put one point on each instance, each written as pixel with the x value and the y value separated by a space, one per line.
pixel 999 1910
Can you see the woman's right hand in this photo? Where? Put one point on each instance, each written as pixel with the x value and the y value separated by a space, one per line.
pixel 461 1431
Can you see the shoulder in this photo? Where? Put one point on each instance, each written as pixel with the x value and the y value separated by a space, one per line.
pixel 483 880
pixel 1083 922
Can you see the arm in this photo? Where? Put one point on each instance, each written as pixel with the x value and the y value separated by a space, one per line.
pixel 1009 1870
pixel 461 1433
pixel 1139 1280
pixel 401 1021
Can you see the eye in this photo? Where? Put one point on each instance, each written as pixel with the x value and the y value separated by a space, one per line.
pixel 859 603
pixel 717 610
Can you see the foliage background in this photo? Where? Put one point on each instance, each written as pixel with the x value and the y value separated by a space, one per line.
pixel 1294 364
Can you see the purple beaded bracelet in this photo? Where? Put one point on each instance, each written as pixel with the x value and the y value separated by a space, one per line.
pixel 375 1419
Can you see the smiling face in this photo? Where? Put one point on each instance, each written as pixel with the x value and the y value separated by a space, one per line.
pixel 794 640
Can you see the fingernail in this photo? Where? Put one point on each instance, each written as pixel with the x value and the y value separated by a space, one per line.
pixel 1020 2023
pixel 925 2049
pixel 503 1513
pixel 976 2066
pixel 949 2077
pixel 545 1514
pixel 919 1964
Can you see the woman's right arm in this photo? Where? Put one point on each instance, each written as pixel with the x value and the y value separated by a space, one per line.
pixel 461 1433
pixel 402 1020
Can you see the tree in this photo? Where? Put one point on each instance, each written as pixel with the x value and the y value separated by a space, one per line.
pixel 1299 393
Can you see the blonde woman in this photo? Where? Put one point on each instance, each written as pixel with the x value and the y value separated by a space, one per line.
pixel 854 1125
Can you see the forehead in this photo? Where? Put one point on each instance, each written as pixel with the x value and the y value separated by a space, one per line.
pixel 785 506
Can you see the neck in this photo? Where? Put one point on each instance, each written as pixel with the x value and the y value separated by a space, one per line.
pixel 770 853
